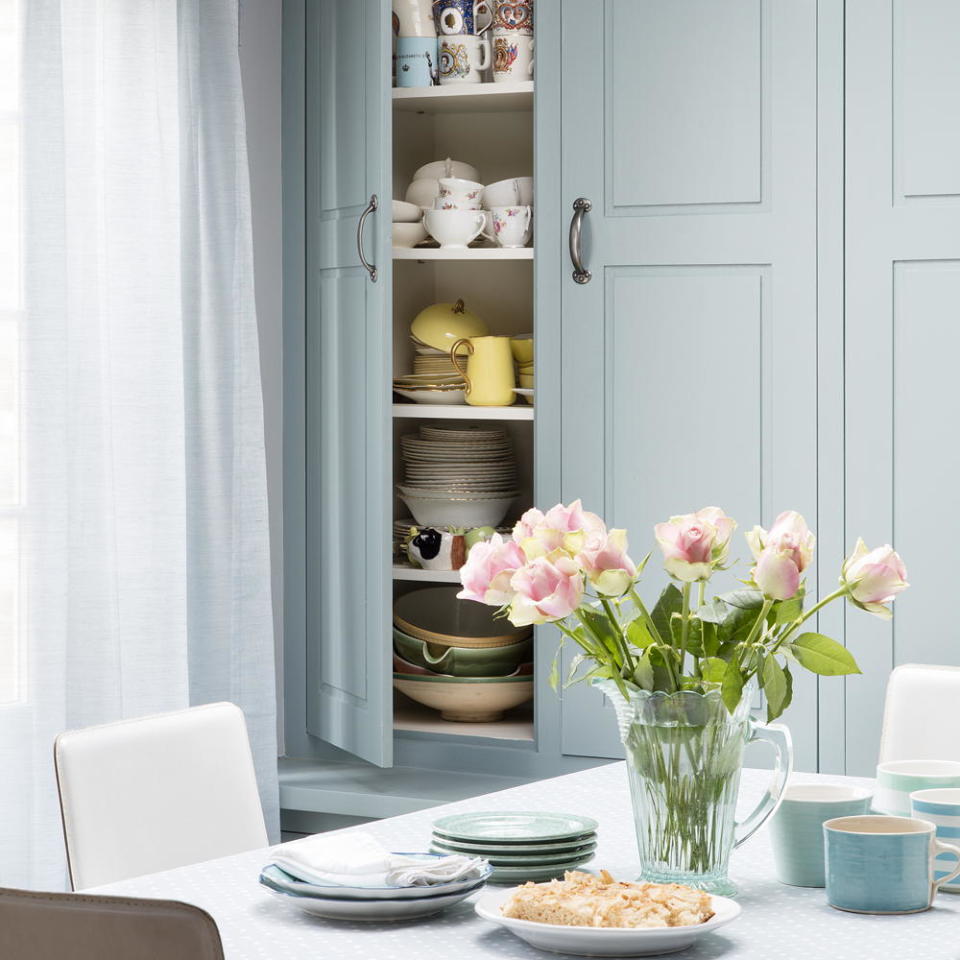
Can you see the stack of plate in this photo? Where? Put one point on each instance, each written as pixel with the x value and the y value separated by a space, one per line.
pixel 341 902
pixel 458 475
pixel 520 846
pixel 440 365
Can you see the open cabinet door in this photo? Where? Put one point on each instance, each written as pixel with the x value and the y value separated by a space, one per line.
pixel 347 340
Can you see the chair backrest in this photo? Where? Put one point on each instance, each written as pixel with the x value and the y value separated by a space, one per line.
pixel 919 714
pixel 70 926
pixel 151 794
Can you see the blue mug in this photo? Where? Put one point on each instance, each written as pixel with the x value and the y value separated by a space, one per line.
pixel 942 808
pixel 461 16
pixel 878 864
pixel 797 828
pixel 417 61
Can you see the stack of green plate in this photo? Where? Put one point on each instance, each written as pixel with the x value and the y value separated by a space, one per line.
pixel 522 845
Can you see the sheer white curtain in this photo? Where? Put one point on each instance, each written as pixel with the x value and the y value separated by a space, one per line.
pixel 138 526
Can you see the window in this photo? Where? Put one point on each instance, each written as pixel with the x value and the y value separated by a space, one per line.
pixel 11 318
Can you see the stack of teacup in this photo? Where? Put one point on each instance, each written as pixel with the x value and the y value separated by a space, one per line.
pixel 512 40
pixel 416 60
pixel 510 211
pixel 457 217
pixel 464 53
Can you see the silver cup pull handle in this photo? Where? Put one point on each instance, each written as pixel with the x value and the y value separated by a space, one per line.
pixel 370 207
pixel 581 206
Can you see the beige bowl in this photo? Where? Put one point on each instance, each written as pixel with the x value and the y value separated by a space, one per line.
pixel 522 348
pixel 525 380
pixel 408 234
pixel 467 699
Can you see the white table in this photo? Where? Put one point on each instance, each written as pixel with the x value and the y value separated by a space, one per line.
pixel 778 922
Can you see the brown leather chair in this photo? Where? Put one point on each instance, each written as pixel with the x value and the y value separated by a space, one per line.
pixel 77 926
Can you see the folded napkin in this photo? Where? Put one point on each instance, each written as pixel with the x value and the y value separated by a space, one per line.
pixel 360 860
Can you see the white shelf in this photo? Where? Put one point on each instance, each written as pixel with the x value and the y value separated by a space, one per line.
pixel 402 572
pixel 465 98
pixel 517 724
pixel 460 411
pixel 463 253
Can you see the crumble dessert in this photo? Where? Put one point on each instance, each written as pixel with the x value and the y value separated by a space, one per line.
pixel 583 900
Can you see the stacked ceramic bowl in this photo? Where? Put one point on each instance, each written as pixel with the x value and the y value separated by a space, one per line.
pixel 522 348
pixel 458 475
pixel 453 656
pixel 520 846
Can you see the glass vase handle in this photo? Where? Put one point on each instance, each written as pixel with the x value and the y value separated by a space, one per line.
pixel 778 736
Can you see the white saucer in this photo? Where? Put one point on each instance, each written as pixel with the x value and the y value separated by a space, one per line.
pixel 605 941
pixel 374 910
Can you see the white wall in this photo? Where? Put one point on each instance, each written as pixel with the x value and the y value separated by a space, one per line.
pixel 260 60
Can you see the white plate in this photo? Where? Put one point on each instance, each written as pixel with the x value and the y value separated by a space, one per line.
pixel 432 396
pixel 373 910
pixel 605 941
pixel 272 876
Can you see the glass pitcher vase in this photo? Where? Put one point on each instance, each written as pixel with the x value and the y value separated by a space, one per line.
pixel 684 753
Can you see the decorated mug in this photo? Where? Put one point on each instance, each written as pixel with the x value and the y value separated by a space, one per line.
pixel 512 57
pixel 413 18
pixel 416 61
pixel 453 17
pixel 463 59
pixel 513 16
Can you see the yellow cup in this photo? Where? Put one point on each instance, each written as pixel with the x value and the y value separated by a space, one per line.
pixel 489 373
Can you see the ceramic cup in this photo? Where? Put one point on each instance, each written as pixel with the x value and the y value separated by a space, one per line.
pixel 489 374
pixel 514 16
pixel 416 61
pixel 413 18
pixel 877 864
pixel 897 779
pixel 797 828
pixel 516 192
pixel 512 57
pixel 466 193
pixel 511 226
pixel 463 17
pixel 942 808
pixel 463 59
pixel 453 228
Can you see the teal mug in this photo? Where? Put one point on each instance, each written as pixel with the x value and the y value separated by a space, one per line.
pixel 897 779
pixel 878 864
pixel 942 809
pixel 797 828
pixel 417 61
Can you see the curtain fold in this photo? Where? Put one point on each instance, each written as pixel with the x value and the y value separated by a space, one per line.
pixel 142 528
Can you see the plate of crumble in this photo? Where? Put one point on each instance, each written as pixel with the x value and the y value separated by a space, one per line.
pixel 598 916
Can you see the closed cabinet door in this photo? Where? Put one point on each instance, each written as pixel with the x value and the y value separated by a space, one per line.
pixel 902 333
pixel 689 357
pixel 347 375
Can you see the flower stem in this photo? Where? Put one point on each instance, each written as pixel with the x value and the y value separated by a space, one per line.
pixel 684 624
pixel 618 633
pixel 841 591
pixel 647 619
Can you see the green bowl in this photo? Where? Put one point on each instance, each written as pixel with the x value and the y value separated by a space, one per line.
pixel 463 661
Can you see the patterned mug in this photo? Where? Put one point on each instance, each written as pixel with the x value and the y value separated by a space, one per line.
pixel 512 57
pixel 455 17
pixel 513 16
pixel 463 59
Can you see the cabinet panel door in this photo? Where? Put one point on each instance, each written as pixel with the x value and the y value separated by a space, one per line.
pixel 349 701
pixel 902 335
pixel 690 358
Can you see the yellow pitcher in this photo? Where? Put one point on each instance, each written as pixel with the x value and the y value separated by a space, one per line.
pixel 489 375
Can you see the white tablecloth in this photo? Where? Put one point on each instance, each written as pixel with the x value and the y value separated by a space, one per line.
pixel 778 922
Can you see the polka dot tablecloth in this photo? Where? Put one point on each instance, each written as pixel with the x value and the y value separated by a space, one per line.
pixel 778 922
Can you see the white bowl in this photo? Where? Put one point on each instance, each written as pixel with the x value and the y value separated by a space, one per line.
pixel 515 192
pixel 447 168
pixel 467 699
pixel 408 234
pixel 421 193
pixel 404 212
pixel 429 511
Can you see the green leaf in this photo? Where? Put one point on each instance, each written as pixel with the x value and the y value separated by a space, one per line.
pixel 714 611
pixel 743 599
pixel 575 663
pixel 603 629
pixel 555 671
pixel 643 674
pixel 774 683
pixel 731 689
pixel 639 634
pixel 737 625
pixel 670 602
pixel 824 656
pixel 710 640
pixel 713 669
pixel 786 611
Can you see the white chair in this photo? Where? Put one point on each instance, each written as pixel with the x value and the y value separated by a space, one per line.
pixel 919 714
pixel 150 794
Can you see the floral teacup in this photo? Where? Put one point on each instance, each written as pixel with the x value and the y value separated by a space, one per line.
pixel 511 226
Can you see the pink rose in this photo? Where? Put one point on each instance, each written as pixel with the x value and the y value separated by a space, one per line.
pixel 873 578
pixel 776 574
pixel 489 568
pixel 545 591
pixel 695 544
pixel 562 528
pixel 607 566
pixel 789 534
